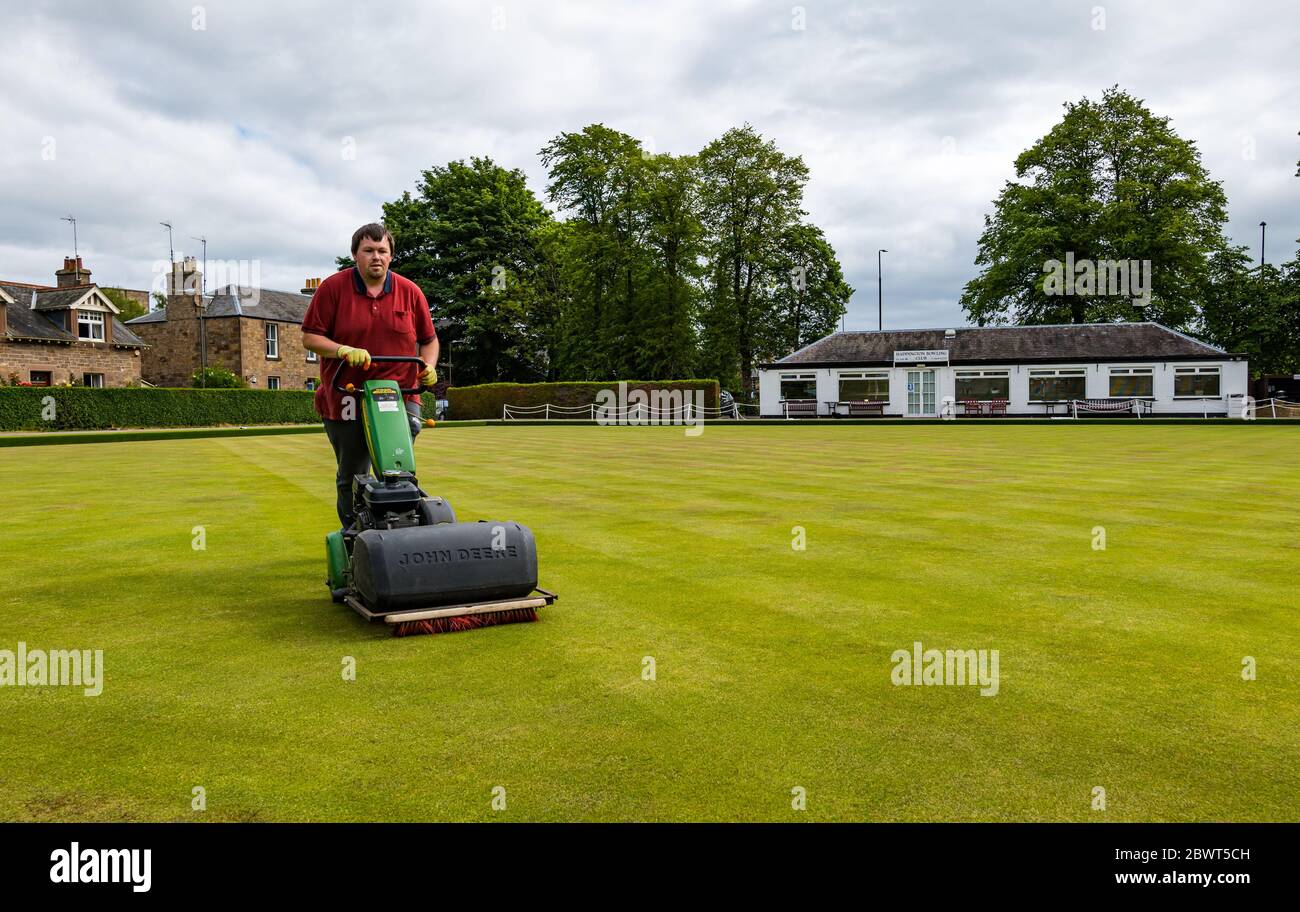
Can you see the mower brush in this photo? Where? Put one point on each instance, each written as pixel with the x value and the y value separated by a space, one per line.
pixel 465 622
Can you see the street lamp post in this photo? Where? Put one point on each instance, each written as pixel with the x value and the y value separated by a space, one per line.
pixel 1263 226
pixel 451 347
pixel 880 291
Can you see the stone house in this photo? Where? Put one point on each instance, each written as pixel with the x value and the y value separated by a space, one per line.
pixel 252 332
pixel 65 333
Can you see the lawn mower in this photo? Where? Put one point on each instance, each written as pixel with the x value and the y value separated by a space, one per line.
pixel 405 560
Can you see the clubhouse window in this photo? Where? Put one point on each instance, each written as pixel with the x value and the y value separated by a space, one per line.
pixel 864 386
pixel 93 380
pixel 1057 385
pixel 273 383
pixel 1131 383
pixel 1196 382
pixel 798 386
pixel 983 385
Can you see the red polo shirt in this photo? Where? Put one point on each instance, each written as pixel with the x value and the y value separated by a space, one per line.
pixel 396 322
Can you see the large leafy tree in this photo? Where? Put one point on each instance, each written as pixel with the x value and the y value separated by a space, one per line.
pixel 1254 311
pixel 809 293
pixel 1110 182
pixel 751 197
pixel 674 240
pixel 470 238
pixel 597 178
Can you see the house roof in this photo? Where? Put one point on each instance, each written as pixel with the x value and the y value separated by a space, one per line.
pixel 74 296
pixel 1008 345
pixel 264 304
pixel 22 322
pixel 257 304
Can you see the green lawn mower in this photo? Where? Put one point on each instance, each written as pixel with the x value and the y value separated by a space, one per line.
pixel 405 560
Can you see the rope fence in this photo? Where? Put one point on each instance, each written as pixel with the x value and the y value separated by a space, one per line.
pixel 636 414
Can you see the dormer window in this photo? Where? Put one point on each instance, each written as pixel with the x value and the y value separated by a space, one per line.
pixel 90 326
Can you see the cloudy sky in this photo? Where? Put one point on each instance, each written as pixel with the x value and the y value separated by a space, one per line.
pixel 275 131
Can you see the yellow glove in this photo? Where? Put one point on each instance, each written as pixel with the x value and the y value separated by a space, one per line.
pixel 429 377
pixel 356 357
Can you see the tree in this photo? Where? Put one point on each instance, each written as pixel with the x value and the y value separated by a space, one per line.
pixel 1254 311
pixel 751 195
pixel 597 177
pixel 469 238
pixel 669 199
pixel 809 294
pixel 127 308
pixel 1110 182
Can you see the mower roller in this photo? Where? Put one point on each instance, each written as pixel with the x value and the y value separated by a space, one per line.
pixel 405 560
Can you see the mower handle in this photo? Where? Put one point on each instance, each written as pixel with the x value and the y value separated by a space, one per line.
pixel 390 359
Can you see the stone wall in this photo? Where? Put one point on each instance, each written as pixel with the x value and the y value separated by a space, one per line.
pixel 69 361
pixel 292 366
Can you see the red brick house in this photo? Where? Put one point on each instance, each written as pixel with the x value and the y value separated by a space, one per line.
pixel 65 333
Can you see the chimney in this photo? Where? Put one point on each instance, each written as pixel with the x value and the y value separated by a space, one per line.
pixel 309 287
pixel 72 273
pixel 187 279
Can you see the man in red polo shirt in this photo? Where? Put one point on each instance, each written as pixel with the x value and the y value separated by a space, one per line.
pixel 358 312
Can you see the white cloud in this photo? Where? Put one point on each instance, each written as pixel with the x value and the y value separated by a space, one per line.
pixel 909 115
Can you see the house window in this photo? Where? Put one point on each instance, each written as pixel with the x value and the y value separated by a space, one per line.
pixel 870 386
pixel 798 386
pixel 312 356
pixel 95 380
pixel 311 383
pixel 90 326
pixel 41 378
pixel 1131 383
pixel 1057 385
pixel 983 385
pixel 272 340
pixel 1196 382
pixel 273 383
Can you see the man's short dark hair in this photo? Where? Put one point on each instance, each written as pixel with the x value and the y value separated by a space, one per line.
pixel 374 232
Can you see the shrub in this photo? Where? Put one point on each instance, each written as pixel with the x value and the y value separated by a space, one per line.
pixel 83 408
pixel 217 378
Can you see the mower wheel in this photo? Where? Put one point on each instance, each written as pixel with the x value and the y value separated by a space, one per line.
pixel 434 510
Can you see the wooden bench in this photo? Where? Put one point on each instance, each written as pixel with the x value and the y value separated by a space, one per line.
pixel 998 407
pixel 800 408
pixel 1114 406
pixel 866 408
pixel 971 407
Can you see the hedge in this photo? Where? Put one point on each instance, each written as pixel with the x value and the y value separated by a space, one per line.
pixel 486 400
pixel 81 408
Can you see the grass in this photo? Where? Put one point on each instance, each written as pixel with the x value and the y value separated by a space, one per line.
pixel 1119 668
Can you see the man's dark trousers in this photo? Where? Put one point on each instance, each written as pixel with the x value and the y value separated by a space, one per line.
pixel 349 441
